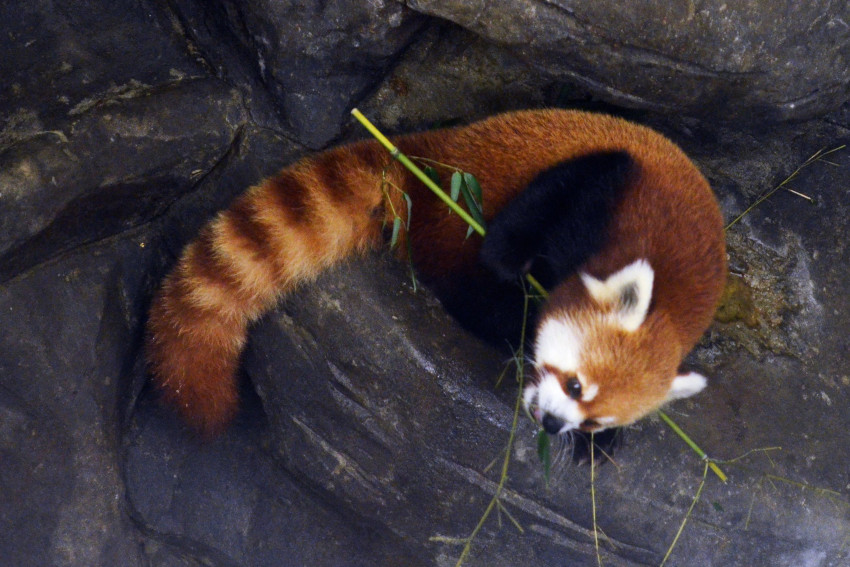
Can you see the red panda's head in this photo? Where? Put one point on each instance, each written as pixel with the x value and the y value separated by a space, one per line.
pixel 600 360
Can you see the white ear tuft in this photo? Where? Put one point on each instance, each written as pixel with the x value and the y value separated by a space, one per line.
pixel 628 290
pixel 686 385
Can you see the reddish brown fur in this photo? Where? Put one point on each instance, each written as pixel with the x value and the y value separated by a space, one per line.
pixel 634 369
pixel 669 217
pixel 325 208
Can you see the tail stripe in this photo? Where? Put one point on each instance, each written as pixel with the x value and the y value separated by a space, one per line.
pixel 290 196
pixel 334 181
pixel 254 235
pixel 210 281
pixel 250 274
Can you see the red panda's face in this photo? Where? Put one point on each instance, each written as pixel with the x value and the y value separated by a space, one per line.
pixel 602 363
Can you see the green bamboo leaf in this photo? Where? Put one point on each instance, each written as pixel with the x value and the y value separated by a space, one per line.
pixel 472 206
pixel 474 187
pixel 409 209
pixel 544 452
pixel 433 174
pixel 457 181
pixel 473 202
pixel 396 230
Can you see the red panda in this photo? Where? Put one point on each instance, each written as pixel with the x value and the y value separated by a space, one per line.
pixel 616 220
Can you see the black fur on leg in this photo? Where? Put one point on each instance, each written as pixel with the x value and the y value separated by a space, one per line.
pixel 489 308
pixel 605 443
pixel 559 221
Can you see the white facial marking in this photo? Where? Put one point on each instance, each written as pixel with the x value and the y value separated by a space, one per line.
pixel 557 345
pixel 607 420
pixel 547 396
pixel 629 290
pixel 685 385
pixel 588 391
pixel 552 399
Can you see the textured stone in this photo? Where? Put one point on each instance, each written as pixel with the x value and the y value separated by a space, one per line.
pixel 121 161
pixel 730 60
pixel 449 74
pixel 316 58
pixel 69 331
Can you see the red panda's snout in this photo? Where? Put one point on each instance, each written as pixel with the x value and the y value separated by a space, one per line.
pixel 605 360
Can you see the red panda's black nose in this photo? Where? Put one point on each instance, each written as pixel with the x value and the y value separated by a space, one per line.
pixel 551 424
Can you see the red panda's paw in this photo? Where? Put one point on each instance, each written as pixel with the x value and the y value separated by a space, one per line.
pixel 605 443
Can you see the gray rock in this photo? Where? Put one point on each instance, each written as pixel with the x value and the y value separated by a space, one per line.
pixel 449 74
pixel 228 502
pixel 318 58
pixel 70 329
pixel 58 56
pixel 121 161
pixel 84 150
pixel 730 60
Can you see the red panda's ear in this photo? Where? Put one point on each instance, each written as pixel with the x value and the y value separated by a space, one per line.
pixel 686 385
pixel 628 292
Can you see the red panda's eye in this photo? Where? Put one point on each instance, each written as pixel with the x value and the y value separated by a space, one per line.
pixel 573 387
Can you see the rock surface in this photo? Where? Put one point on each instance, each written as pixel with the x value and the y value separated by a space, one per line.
pixel 315 58
pixel 370 419
pixel 734 60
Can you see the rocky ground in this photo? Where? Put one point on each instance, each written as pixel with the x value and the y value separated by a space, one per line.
pixel 373 430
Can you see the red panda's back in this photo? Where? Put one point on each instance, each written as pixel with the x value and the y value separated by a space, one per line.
pixel 668 214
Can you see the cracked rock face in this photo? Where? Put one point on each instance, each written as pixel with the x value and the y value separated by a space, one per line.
pixel 371 431
pixel 115 165
pixel 315 58
pixel 730 59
